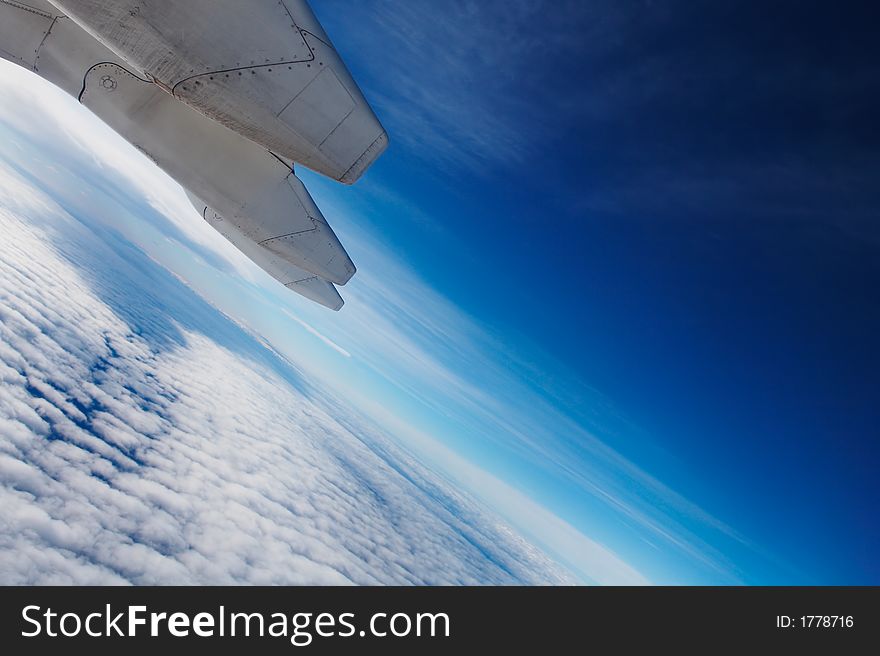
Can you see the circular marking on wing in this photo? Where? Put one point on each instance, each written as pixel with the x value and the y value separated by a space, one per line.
pixel 105 76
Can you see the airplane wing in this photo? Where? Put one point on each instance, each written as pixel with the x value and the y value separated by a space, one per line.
pixel 23 27
pixel 264 68
pixel 299 280
pixel 241 180
pixel 130 69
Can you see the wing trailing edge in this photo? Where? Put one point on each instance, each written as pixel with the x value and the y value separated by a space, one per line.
pixel 294 278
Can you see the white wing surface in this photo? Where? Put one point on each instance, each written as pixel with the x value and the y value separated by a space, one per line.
pixel 213 144
pixel 256 190
pixel 265 68
pixel 298 280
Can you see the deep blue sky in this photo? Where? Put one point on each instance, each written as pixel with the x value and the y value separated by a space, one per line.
pixel 618 271
pixel 678 202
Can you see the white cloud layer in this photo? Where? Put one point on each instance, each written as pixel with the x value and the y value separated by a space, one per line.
pixel 400 341
pixel 145 438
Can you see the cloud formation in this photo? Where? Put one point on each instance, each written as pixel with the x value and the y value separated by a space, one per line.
pixel 530 408
pixel 160 443
pixel 397 327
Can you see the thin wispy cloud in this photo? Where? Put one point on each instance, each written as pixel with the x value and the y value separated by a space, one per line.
pixel 312 331
pixel 474 386
pixel 460 78
pixel 490 391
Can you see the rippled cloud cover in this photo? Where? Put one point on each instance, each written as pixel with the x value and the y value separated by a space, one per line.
pixel 146 438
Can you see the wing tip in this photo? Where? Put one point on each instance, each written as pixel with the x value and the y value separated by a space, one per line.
pixel 366 159
pixel 319 291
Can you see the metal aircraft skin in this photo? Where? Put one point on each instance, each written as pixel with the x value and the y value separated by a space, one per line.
pixel 225 96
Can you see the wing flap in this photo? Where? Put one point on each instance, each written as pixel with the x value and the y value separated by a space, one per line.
pixel 295 279
pixel 256 191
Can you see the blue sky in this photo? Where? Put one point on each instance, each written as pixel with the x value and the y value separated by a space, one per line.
pixel 616 274
pixel 675 204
